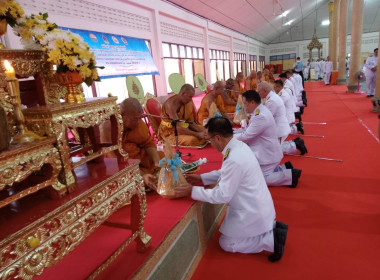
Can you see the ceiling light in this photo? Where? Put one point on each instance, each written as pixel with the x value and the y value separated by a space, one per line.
pixel 326 22
pixel 289 22
pixel 284 14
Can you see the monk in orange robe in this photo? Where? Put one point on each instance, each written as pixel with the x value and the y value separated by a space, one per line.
pixel 260 77
pixel 251 81
pixel 180 107
pixel 213 96
pixel 271 76
pixel 240 82
pixel 266 75
pixel 136 140
pixel 230 96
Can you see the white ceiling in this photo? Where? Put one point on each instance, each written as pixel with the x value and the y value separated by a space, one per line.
pixel 262 20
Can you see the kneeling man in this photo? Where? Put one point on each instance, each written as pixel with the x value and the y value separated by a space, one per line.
pixel 249 225
pixel 261 137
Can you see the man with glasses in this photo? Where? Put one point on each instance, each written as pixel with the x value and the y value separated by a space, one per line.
pixel 249 225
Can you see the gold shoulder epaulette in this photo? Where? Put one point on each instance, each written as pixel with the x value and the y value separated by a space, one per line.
pixel 226 154
pixel 257 112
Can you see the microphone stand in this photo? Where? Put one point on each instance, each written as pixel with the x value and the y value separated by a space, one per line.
pixel 174 124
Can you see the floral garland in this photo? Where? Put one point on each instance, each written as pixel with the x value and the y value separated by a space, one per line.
pixel 65 49
pixel 10 11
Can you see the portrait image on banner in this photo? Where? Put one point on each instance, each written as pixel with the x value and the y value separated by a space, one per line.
pixel 120 55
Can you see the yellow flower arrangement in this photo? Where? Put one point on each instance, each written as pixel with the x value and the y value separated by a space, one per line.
pixel 11 11
pixel 65 49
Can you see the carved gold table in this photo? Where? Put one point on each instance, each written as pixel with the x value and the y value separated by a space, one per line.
pixel 20 161
pixel 59 232
pixel 56 119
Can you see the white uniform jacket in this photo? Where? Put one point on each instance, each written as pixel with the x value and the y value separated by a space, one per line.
pixel 261 136
pixel 241 184
pixel 277 108
pixel 286 97
pixel 293 80
pixel 369 64
pixel 299 79
pixel 328 67
pixel 289 85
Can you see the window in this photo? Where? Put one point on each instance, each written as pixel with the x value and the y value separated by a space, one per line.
pixel 252 63
pixel 262 62
pixel 219 65
pixel 286 60
pixel 185 60
pixel 240 63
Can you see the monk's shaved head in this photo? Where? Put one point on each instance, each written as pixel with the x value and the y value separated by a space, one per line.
pixel 130 106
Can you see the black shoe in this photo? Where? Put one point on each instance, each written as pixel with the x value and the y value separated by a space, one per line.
pixel 298 116
pixel 288 165
pixel 279 236
pixel 301 110
pixel 281 225
pixel 300 145
pixel 299 126
pixel 296 174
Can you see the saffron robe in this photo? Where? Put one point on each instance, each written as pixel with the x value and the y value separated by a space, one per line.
pixel 166 130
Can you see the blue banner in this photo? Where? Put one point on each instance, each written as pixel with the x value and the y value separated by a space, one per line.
pixel 120 55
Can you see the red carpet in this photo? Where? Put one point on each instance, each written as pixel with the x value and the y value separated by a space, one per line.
pixel 334 213
pixel 162 216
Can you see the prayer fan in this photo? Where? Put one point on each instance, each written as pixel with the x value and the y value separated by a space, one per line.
pixel 176 81
pixel 135 88
pixel 200 81
pixel 360 77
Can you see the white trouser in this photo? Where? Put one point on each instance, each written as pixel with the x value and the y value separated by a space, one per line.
pixel 288 147
pixel 276 175
pixel 306 74
pixel 327 78
pixel 247 245
pixel 316 74
pixel 293 129
pixel 370 82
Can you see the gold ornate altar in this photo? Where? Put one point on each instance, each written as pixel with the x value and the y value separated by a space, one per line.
pixel 55 119
pixel 20 161
pixel 61 231
pixel 45 241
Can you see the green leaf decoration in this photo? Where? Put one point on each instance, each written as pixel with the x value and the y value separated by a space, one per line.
pixel 135 88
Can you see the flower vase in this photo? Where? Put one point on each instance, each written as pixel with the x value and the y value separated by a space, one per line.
pixel 3 30
pixel 71 80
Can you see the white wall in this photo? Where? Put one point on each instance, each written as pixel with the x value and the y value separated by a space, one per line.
pixel 160 21
pixel 370 41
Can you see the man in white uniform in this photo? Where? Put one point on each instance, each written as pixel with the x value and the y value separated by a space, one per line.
pixel 328 70
pixel 261 137
pixel 277 108
pixel 321 67
pixel 285 95
pixel 289 85
pixel 249 225
pixel 370 73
